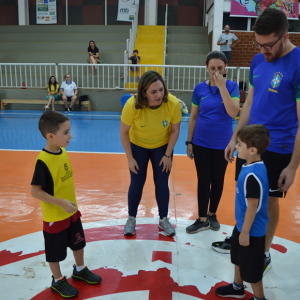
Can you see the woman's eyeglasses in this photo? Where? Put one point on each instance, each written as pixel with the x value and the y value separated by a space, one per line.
pixel 213 71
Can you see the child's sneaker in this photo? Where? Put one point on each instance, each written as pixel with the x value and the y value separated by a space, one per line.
pixel 267 264
pixel 223 247
pixel 64 288
pixel 228 291
pixel 86 275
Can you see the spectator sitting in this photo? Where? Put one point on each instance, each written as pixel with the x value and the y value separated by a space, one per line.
pixel 69 92
pixel 52 88
pixel 135 60
pixel 93 55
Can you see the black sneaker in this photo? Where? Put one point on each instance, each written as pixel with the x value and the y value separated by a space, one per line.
pixel 223 247
pixel 213 222
pixel 64 288
pixel 66 109
pixel 86 275
pixel 267 264
pixel 70 109
pixel 230 292
pixel 197 226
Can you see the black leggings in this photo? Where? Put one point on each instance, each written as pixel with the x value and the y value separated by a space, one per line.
pixel 211 167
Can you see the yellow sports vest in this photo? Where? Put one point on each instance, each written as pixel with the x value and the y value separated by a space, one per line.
pixel 63 185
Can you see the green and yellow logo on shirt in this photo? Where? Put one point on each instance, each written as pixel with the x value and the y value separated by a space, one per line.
pixel 276 80
pixel 165 123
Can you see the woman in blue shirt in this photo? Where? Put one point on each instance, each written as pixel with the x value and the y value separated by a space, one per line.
pixel 214 103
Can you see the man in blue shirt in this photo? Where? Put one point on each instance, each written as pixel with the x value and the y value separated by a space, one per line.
pixel 274 101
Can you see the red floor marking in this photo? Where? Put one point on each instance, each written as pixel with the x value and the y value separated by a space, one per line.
pixel 148 232
pixel 6 257
pixel 159 283
pixel 279 248
pixel 165 256
pixel 224 233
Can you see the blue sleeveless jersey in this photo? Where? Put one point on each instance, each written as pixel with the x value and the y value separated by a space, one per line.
pixel 276 90
pixel 259 171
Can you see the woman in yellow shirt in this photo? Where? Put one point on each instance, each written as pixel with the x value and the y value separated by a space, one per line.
pixel 52 88
pixel 150 125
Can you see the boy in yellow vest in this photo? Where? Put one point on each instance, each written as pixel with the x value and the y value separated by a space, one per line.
pixel 53 185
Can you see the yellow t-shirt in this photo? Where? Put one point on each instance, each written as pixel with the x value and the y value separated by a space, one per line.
pixel 150 128
pixel 57 174
pixel 52 88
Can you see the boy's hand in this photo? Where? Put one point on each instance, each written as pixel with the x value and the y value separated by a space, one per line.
pixel 244 239
pixel 68 206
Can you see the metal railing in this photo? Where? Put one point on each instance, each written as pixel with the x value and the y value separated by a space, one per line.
pixel 132 37
pixel 108 76
pixel 166 31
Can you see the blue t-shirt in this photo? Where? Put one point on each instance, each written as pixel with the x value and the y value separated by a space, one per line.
pixel 243 192
pixel 214 125
pixel 275 95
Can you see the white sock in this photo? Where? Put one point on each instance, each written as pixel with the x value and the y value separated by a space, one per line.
pixel 267 254
pixel 78 269
pixel 58 279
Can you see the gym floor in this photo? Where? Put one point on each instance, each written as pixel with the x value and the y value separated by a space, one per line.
pixel 146 266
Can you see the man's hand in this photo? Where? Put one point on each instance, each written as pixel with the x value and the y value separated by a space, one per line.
pixel 244 239
pixel 286 179
pixel 189 151
pixel 230 150
pixel 68 206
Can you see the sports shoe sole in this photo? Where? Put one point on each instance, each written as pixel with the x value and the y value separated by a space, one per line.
pixel 214 229
pixel 64 296
pixel 200 229
pixel 129 233
pixel 171 234
pixel 233 296
pixel 268 268
pixel 77 278
pixel 222 251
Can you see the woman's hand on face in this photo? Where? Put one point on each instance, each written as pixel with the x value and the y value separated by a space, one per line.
pixel 133 166
pixel 167 164
pixel 219 80
pixel 189 151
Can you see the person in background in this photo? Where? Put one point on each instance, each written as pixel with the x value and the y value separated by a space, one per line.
pixel 93 56
pixel 135 60
pixel 214 103
pixel 226 42
pixel 69 92
pixel 52 88
pixel 150 125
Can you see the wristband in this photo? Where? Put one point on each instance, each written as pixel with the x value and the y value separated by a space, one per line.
pixel 167 156
pixel 187 143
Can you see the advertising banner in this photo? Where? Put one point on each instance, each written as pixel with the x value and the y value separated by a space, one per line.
pixel 127 9
pixel 253 8
pixel 46 12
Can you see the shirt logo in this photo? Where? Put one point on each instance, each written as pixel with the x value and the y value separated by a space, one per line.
pixel 143 126
pixel 237 190
pixel 203 98
pixel 276 80
pixel 254 76
pixel 66 167
pixel 165 123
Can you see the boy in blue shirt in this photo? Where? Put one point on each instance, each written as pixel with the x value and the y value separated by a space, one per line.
pixel 251 202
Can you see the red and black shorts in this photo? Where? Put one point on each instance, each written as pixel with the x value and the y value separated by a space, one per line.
pixel 62 234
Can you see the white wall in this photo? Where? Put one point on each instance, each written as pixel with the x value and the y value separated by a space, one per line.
pixel 151 7
pixel 23 9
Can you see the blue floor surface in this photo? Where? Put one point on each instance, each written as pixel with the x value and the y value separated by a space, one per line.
pixel 92 131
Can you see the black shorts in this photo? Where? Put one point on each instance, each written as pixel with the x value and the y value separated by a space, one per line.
pixel 228 55
pixel 250 259
pixel 275 163
pixel 56 243
pixel 69 98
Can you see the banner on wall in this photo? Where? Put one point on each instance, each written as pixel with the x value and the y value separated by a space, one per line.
pixel 253 8
pixel 46 12
pixel 127 9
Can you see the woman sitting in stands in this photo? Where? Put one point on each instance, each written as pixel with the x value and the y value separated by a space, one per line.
pixel 93 55
pixel 150 125
pixel 52 88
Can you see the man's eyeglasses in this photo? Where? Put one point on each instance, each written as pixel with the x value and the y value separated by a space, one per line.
pixel 213 71
pixel 267 47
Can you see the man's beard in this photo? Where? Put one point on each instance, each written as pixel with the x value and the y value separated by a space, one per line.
pixel 273 57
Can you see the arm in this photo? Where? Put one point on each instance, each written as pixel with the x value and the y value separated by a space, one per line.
pixel 90 53
pixel 220 44
pixel 137 60
pixel 174 133
pixel 97 55
pixel 124 134
pixel 232 106
pixel 62 92
pixel 192 126
pixel 75 92
pixel 38 193
pixel 244 238
pixel 243 121
pixel 236 42
pixel 289 173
